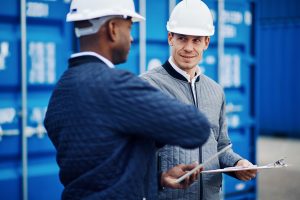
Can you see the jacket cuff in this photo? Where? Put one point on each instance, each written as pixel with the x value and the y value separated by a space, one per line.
pixel 160 187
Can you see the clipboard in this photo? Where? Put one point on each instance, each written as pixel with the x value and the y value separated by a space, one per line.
pixel 202 164
pixel 277 164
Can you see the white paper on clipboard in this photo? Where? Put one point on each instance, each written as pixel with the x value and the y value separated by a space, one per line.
pixel 253 167
pixel 202 164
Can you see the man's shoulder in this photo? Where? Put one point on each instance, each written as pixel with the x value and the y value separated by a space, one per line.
pixel 157 77
pixel 154 73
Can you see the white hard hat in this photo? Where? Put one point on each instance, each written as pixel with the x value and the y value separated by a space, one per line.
pixel 191 17
pixel 91 9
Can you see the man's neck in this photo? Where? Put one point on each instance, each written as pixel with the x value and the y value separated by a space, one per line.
pixel 92 44
pixel 191 72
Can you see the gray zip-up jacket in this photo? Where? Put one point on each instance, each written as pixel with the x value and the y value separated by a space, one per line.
pixel 211 101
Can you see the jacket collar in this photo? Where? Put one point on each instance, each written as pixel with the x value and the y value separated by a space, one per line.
pixel 168 67
pixel 91 53
pixel 75 61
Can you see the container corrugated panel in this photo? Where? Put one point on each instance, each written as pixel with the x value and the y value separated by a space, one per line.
pixel 235 76
pixel 10 181
pixel 278 30
pixel 237 18
pixel 157 15
pixel 49 45
pixel 246 196
pixel 241 137
pixel 278 10
pixel 156 33
pixel 157 54
pixel 9 125
pixel 10 165
pixel 9 45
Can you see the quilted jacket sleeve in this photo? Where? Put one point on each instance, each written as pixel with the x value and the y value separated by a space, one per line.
pixel 139 109
pixel 229 158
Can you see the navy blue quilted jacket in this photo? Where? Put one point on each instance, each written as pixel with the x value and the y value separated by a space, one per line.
pixel 104 124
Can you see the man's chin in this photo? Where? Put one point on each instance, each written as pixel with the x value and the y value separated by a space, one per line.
pixel 188 65
pixel 120 60
pixel 188 62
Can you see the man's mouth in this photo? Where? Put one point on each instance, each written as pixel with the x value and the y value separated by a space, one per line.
pixel 187 57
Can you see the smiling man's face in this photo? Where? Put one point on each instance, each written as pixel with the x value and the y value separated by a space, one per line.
pixel 187 50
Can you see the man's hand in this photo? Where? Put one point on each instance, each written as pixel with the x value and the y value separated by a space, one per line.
pixel 247 174
pixel 168 178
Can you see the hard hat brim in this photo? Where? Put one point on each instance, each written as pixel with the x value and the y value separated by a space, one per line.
pixel 137 17
pixel 71 17
pixel 191 31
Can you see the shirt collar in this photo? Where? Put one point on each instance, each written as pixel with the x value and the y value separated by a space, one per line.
pixel 182 72
pixel 90 53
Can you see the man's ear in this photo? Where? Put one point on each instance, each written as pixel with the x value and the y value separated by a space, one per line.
pixel 112 30
pixel 170 39
pixel 207 41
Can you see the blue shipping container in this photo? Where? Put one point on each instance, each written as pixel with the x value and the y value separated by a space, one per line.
pixel 278 30
pixel 47 36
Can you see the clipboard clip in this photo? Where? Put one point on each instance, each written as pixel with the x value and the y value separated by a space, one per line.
pixel 278 163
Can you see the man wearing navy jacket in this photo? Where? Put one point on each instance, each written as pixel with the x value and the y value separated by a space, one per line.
pixel 105 123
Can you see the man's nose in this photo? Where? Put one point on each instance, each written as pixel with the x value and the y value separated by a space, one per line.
pixel 189 46
pixel 131 38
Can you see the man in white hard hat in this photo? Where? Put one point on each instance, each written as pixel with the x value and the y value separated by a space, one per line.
pixel 190 27
pixel 105 123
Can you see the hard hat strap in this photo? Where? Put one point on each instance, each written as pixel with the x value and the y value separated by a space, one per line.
pixel 96 25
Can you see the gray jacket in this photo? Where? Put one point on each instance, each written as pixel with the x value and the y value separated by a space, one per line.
pixel 211 101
